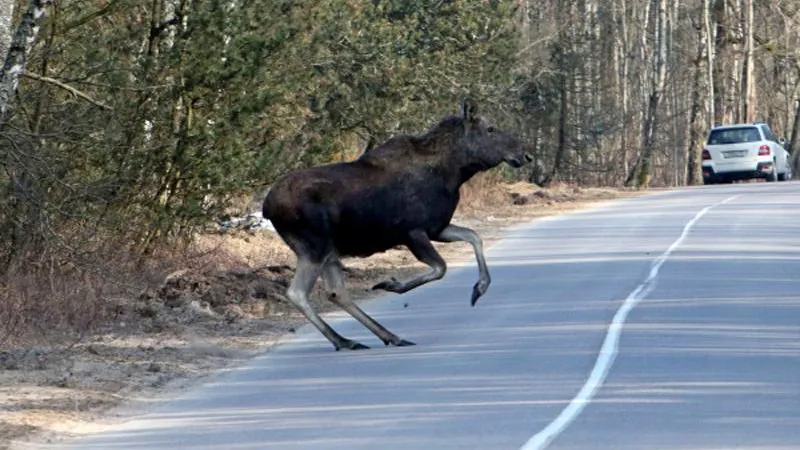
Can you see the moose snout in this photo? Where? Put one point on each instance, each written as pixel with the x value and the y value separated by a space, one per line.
pixel 517 161
pixel 514 161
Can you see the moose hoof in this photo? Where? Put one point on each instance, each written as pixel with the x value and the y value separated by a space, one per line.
pixel 477 292
pixel 388 285
pixel 352 345
pixel 397 342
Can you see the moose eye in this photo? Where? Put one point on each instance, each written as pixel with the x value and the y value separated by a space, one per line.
pixel 490 130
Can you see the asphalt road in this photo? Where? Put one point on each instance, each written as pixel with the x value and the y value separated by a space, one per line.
pixel 670 321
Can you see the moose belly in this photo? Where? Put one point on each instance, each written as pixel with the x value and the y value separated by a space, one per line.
pixel 365 245
pixel 365 231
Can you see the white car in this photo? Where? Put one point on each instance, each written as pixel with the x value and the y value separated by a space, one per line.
pixel 744 151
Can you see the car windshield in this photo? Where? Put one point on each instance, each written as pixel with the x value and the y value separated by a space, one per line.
pixel 734 135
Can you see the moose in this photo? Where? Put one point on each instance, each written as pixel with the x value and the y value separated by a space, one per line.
pixel 402 193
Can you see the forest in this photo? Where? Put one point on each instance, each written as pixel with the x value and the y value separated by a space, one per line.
pixel 128 126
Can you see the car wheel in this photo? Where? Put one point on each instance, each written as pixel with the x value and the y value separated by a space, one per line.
pixel 773 176
pixel 707 181
pixel 785 176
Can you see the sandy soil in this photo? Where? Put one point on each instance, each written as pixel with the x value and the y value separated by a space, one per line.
pixel 211 315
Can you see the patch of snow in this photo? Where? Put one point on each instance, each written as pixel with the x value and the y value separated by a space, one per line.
pixel 252 221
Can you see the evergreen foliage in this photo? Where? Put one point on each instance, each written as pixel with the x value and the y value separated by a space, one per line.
pixel 194 104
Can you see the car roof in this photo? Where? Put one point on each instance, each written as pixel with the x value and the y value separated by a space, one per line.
pixel 737 125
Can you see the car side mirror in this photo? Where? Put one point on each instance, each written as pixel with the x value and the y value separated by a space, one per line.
pixel 782 141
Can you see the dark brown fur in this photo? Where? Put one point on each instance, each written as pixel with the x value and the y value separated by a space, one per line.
pixel 403 192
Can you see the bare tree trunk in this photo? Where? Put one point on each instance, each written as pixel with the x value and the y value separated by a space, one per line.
pixel 658 75
pixel 621 72
pixel 174 41
pixel 680 133
pixel 748 82
pixel 17 56
pixel 709 57
pixel 563 116
pixel 726 70
pixel 6 17
pixel 793 144
pixel 23 201
pixel 656 95
pixel 645 78
pixel 562 132
pixel 735 95
pixel 525 12
pixel 699 114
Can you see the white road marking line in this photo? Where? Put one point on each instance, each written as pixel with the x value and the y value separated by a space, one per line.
pixel 608 351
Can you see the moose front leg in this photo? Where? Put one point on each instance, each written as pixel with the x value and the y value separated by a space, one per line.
pixel 422 248
pixel 455 233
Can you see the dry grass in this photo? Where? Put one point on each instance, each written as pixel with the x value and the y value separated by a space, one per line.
pixel 147 331
pixel 481 193
pixel 242 248
pixel 49 304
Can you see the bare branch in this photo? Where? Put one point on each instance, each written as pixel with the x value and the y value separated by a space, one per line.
pixel 91 16
pixel 67 88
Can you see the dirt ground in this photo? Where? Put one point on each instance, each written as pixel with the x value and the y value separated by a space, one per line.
pixel 212 315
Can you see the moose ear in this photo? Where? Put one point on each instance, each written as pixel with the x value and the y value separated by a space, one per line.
pixel 469 110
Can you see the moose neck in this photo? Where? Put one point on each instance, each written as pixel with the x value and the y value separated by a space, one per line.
pixel 455 173
pixel 472 168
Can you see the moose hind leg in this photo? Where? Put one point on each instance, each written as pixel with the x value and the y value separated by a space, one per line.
pixel 420 245
pixel 334 284
pixel 455 233
pixel 298 293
